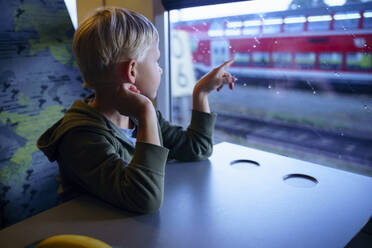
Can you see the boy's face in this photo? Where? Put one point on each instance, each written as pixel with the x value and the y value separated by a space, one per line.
pixel 149 72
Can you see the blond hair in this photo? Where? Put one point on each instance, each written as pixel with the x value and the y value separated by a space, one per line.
pixel 107 37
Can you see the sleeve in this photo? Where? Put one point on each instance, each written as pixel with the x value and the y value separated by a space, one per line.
pixel 193 144
pixel 92 161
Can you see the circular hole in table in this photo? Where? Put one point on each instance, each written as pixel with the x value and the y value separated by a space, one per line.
pixel 300 180
pixel 244 163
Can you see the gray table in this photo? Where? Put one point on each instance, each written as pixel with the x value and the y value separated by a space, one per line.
pixel 215 204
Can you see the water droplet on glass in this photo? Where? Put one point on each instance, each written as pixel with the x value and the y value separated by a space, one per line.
pixel 314 92
pixel 365 106
pixel 254 46
pixel 337 74
pixel 245 84
pixel 342 134
pixel 230 47
pixel 276 42
pixel 269 86
pixel 277 92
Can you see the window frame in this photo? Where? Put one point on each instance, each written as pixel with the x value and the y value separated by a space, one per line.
pixel 161 22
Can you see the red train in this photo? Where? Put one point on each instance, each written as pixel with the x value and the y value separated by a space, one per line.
pixel 332 44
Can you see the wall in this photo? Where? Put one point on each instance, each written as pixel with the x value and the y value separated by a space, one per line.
pixel 145 7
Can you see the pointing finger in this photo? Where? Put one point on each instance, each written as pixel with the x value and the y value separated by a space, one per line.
pixel 226 64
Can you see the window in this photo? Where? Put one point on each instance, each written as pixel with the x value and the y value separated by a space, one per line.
pixel 251 27
pixel 282 59
pixel 367 21
pixel 319 22
pixel 346 20
pixel 305 60
pixel 272 25
pixel 261 59
pixel 359 61
pixel 242 58
pixel 294 23
pixel 331 61
pixel 304 88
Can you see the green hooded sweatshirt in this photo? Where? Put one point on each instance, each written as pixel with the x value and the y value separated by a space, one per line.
pixel 95 156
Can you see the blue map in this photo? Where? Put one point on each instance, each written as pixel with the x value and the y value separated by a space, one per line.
pixel 39 80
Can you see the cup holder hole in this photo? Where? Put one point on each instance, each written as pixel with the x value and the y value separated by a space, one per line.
pixel 244 163
pixel 300 180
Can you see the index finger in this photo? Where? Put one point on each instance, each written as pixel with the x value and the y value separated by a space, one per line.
pixel 226 64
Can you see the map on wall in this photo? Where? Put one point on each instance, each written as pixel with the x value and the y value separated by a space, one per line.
pixel 39 80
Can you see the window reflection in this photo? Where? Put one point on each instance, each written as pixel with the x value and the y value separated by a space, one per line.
pixel 304 74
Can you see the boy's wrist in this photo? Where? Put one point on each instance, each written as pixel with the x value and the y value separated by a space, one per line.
pixel 148 111
pixel 200 100
pixel 199 92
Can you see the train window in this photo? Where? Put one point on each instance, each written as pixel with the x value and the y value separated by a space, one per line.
pixel 305 60
pixel 331 61
pixel 233 32
pixel 304 76
pixel 346 21
pixel 216 29
pixel 359 61
pixel 367 21
pixel 242 58
pixel 316 23
pixel 251 27
pixel 261 59
pixel 294 24
pixel 271 26
pixel 282 59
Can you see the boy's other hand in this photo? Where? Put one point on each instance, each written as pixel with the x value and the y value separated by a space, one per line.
pixel 130 102
pixel 216 79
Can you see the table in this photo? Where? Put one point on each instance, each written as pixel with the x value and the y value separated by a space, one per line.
pixel 214 203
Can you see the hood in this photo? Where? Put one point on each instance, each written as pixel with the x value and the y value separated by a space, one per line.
pixel 80 114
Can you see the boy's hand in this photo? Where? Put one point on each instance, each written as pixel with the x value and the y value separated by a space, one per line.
pixel 130 102
pixel 215 79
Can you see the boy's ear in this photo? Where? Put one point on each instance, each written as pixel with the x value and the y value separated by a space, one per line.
pixel 128 71
pixel 132 72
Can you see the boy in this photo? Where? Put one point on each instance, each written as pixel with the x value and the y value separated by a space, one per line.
pixel 114 144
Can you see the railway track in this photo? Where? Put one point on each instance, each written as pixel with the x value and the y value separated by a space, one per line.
pixel 348 147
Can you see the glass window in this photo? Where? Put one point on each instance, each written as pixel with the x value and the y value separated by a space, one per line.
pixel 359 61
pixel 282 59
pixel 272 25
pixel 305 95
pixel 242 58
pixel 346 21
pixel 251 27
pixel 294 24
pixel 331 61
pixel 305 60
pixel 367 21
pixel 261 59
pixel 271 29
pixel 318 22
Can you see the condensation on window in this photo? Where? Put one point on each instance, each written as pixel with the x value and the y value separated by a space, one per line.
pixel 304 72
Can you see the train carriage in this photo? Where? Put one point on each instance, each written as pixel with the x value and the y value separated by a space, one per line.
pixel 332 44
